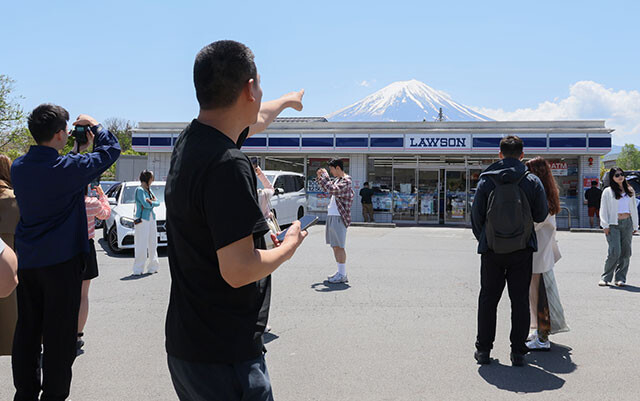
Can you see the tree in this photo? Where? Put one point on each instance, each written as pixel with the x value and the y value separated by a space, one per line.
pixel 629 158
pixel 15 138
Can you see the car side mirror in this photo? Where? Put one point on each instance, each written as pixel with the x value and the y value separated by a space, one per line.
pixel 279 191
pixel 112 201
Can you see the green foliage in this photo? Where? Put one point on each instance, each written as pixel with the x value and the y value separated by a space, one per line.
pixel 629 158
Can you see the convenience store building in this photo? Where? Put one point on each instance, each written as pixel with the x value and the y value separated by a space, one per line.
pixel 423 172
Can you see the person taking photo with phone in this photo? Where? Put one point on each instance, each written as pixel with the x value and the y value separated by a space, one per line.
pixel 51 243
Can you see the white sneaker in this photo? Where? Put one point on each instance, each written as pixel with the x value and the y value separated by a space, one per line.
pixel 338 278
pixel 533 335
pixel 336 274
pixel 602 283
pixel 620 283
pixel 537 345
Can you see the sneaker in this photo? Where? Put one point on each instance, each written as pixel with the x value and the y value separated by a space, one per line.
pixel 602 283
pixel 620 283
pixel 338 278
pixel 517 359
pixel 533 334
pixel 537 345
pixel 482 357
pixel 336 274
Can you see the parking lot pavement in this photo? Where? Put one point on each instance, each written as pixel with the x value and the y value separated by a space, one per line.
pixel 403 328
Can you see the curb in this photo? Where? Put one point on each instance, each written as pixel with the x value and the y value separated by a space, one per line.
pixel 377 225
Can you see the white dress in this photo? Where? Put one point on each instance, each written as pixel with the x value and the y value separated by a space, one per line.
pixel 548 252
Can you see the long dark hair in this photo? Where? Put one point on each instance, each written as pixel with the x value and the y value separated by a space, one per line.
pixel 540 167
pixel 614 185
pixel 5 173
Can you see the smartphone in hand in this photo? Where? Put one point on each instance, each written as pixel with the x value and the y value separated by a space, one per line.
pixel 305 223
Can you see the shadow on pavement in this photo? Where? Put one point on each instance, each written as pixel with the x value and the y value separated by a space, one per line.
pixel 537 376
pixel 135 277
pixel 268 337
pixel 326 286
pixel 124 254
pixel 628 288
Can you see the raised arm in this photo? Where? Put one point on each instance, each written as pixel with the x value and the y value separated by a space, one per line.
pixel 337 187
pixel 272 109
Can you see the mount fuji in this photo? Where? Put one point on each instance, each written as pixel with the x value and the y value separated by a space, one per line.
pixel 406 101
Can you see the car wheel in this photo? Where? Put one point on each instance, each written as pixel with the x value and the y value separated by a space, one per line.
pixel 300 212
pixel 112 240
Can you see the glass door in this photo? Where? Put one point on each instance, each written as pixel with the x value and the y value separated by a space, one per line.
pixel 428 200
pixel 404 195
pixel 455 197
pixel 474 178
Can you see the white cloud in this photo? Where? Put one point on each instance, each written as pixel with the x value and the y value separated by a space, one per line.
pixel 365 83
pixel 587 100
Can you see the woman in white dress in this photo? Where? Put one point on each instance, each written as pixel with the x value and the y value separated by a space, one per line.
pixel 547 314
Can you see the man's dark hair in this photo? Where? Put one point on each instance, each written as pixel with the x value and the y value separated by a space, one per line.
pixel 146 176
pixel 45 120
pixel 594 183
pixel 366 184
pixel 336 163
pixel 220 72
pixel 511 147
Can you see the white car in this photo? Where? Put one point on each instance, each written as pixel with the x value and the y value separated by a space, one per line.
pixel 119 229
pixel 289 202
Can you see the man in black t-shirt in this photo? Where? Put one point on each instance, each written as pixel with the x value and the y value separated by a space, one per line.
pixel 220 270
pixel 593 196
pixel 367 204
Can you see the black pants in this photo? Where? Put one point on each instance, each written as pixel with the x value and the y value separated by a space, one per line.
pixel 48 305
pixel 515 269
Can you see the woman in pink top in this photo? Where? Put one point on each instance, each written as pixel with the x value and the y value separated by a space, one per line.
pixel 97 208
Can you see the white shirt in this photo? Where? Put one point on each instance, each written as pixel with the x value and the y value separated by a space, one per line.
pixel 623 204
pixel 610 206
pixel 333 207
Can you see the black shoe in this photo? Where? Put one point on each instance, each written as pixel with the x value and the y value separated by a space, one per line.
pixel 482 357
pixel 517 359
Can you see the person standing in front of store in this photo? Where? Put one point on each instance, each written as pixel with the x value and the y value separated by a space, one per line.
pixel 593 196
pixel 338 214
pixel 366 194
pixel 508 201
pixel 547 313
pixel 146 230
pixel 9 217
pixel 220 270
pixel 619 219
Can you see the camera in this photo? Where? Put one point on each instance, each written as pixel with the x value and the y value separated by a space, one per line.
pixel 80 134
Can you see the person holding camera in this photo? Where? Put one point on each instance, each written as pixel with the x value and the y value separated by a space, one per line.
pixel 51 242
pixel 97 208
pixel 146 231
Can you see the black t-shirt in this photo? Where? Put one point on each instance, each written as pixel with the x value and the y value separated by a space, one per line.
pixel 593 196
pixel 212 202
pixel 366 194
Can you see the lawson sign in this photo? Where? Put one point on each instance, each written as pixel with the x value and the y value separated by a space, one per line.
pixel 440 142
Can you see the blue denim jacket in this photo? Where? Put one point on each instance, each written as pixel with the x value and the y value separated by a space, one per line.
pixel 144 209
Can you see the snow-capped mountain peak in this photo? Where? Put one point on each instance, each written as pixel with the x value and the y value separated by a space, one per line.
pixel 406 101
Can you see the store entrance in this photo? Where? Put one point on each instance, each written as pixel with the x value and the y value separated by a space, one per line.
pixel 433 195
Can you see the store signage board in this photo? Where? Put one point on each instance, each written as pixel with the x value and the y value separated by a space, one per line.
pixel 423 142
pixel 559 168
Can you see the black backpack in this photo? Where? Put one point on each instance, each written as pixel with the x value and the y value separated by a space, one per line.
pixel 509 224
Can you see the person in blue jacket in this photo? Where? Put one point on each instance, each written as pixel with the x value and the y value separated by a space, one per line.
pixel 146 236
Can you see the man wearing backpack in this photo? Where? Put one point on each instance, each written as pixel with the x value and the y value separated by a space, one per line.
pixel 508 201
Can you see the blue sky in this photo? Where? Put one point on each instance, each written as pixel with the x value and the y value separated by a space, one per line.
pixel 134 59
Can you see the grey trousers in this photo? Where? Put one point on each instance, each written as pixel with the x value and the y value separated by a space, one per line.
pixel 617 263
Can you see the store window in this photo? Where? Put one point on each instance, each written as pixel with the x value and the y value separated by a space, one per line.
pixel 319 200
pixel 278 163
pixel 379 172
pixel 565 171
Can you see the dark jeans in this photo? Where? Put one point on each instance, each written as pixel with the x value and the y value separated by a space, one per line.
pixel 515 269
pixel 242 381
pixel 48 304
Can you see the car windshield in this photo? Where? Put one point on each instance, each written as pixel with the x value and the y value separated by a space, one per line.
pixel 130 193
pixel 269 177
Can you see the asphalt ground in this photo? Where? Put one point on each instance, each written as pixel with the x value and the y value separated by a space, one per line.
pixel 403 328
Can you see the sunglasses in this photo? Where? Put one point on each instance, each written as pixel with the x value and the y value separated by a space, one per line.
pixel 618 175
